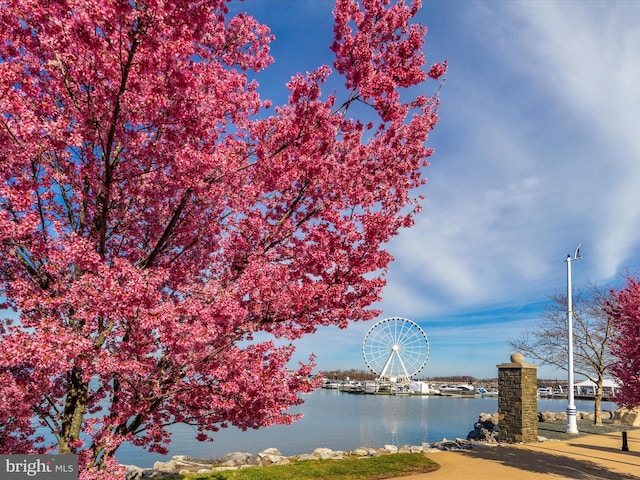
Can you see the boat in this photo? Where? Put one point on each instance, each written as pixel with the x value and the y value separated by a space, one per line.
pixel 331 384
pixel 487 393
pixel 370 387
pixel 351 386
pixel 400 389
pixel 378 387
pixel 423 388
pixel 559 392
pixel 545 392
pixel 461 390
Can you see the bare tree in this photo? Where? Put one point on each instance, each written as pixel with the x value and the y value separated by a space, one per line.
pixel 592 330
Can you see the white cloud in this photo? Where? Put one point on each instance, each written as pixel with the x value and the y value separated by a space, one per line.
pixel 520 176
pixel 586 59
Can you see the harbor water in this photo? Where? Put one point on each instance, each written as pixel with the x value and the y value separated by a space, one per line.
pixel 343 421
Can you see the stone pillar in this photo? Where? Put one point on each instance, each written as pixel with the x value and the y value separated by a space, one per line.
pixel 517 401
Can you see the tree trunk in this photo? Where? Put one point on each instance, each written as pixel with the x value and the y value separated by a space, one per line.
pixel 597 406
pixel 74 409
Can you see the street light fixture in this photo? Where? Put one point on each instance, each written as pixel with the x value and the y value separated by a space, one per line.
pixel 572 425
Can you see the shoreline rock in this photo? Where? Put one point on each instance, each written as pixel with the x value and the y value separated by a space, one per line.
pixel 485 429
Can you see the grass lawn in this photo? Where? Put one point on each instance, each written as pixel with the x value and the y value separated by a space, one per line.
pixel 354 468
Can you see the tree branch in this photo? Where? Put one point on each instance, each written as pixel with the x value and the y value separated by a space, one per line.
pixel 146 263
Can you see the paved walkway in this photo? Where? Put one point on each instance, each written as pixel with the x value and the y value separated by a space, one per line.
pixel 586 457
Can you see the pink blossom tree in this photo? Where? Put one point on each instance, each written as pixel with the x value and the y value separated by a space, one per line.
pixel 624 308
pixel 166 235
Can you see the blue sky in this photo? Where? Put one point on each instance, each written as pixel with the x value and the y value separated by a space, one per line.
pixel 537 150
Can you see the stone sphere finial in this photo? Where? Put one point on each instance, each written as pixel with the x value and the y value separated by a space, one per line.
pixel 517 358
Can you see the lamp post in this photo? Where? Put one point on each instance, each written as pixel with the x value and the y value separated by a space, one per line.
pixel 572 425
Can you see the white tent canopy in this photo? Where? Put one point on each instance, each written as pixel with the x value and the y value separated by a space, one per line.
pixel 606 383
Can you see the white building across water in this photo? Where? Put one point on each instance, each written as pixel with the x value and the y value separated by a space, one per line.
pixel 587 389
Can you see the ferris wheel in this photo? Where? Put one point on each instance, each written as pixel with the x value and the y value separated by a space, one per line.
pixel 395 348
